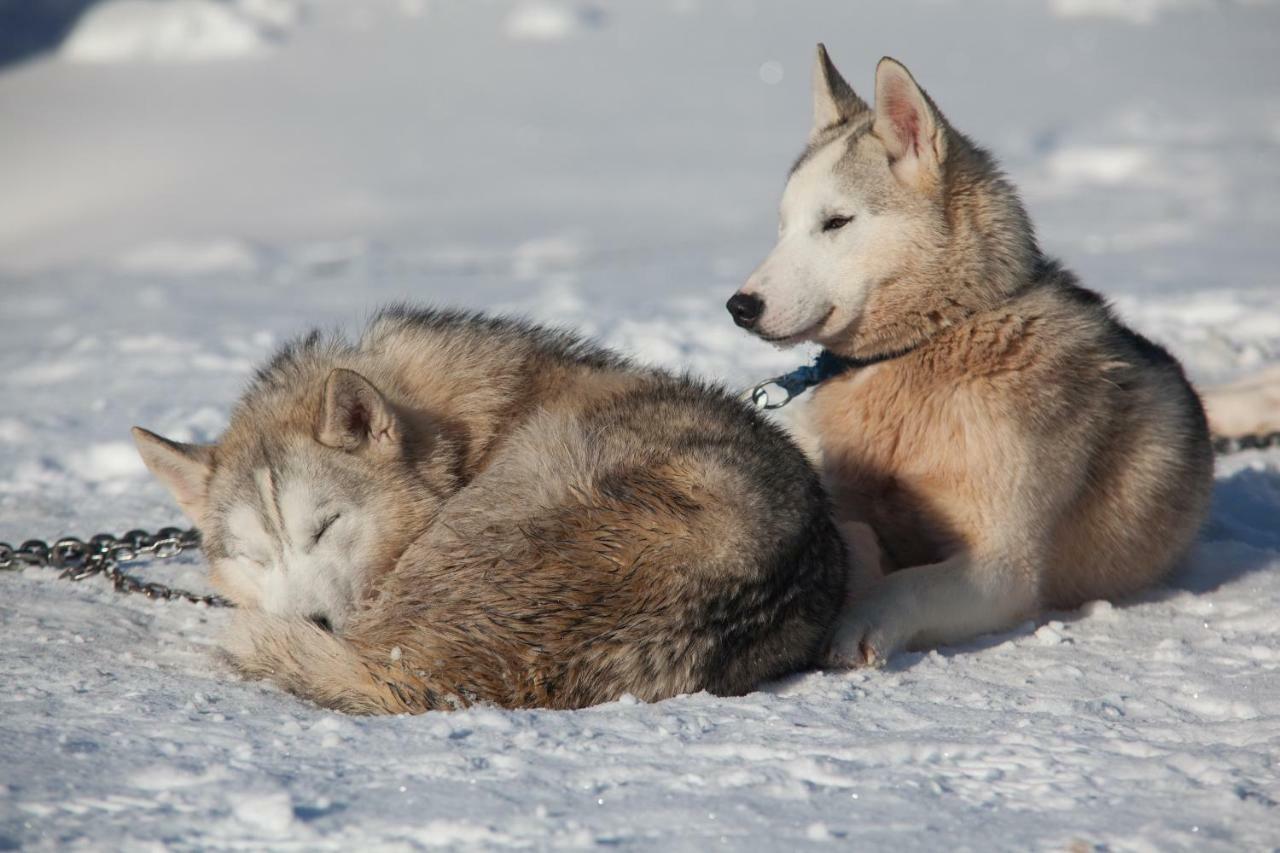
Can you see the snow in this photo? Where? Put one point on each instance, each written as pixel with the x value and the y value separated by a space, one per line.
pixel 1132 11
pixel 541 21
pixel 1135 11
pixel 165 224
pixel 189 257
pixel 177 30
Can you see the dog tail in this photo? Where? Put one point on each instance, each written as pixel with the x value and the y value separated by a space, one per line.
pixel 331 671
pixel 1248 405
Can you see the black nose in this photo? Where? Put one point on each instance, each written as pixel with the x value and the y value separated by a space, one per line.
pixel 745 308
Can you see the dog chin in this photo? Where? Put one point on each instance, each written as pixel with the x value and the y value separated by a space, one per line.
pixel 808 333
pixel 783 341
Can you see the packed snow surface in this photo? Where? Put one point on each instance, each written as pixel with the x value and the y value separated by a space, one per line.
pixel 164 224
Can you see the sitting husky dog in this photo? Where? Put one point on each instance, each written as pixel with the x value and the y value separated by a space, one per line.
pixel 461 509
pixel 996 438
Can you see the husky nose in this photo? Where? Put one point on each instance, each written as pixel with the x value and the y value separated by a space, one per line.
pixel 745 308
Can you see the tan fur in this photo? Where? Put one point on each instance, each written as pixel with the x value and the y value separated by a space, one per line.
pixel 1027 451
pixel 552 527
pixel 1248 406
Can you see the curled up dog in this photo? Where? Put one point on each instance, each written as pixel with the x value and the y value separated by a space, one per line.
pixel 459 509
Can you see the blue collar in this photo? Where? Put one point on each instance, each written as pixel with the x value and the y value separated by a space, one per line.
pixel 826 366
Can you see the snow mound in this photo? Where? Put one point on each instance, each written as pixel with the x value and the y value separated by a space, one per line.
pixel 178 30
pixel 541 21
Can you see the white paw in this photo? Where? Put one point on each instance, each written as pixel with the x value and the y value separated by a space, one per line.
pixel 864 637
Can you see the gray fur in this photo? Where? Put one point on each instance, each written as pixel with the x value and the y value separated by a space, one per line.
pixel 558 527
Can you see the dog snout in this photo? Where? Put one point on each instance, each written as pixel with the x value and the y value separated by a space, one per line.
pixel 745 308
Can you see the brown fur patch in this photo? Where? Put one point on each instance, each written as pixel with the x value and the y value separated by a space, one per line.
pixel 558 528
pixel 1029 450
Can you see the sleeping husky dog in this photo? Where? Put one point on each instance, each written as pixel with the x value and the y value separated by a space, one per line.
pixel 459 509
pixel 999 442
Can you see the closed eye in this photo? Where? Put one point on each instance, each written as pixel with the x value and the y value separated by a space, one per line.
pixel 835 223
pixel 324 526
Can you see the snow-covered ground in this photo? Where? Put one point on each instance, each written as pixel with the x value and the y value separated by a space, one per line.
pixel 183 185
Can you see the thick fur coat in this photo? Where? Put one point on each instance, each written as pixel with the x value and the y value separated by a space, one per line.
pixel 1010 445
pixel 460 509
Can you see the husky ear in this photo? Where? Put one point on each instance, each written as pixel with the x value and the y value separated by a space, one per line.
pixel 183 468
pixel 355 414
pixel 834 101
pixel 909 125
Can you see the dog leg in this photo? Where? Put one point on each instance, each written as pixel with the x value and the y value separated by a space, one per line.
pixel 945 602
pixel 866 560
pixel 330 670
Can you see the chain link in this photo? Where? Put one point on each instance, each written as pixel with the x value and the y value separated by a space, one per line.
pixel 105 555
pixel 1223 445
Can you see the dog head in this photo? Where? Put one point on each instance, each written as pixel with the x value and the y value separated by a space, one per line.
pixel 310 495
pixel 882 201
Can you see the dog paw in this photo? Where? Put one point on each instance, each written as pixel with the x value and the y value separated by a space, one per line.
pixel 863 639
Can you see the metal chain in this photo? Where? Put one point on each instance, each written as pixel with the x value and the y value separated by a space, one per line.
pixel 1222 445
pixel 105 555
